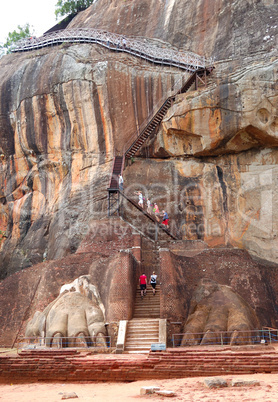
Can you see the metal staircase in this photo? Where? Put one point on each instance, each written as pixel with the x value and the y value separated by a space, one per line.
pixel 154 122
pixel 114 193
pixel 149 129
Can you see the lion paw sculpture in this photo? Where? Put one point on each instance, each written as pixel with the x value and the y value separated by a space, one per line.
pixel 218 315
pixel 75 317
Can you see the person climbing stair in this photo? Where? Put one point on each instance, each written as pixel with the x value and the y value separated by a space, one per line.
pixel 153 279
pixel 143 285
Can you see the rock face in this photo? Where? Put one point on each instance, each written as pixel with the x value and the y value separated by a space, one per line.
pixel 58 134
pixel 64 111
pixel 217 29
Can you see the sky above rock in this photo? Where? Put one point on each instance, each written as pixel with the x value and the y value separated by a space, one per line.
pixel 39 14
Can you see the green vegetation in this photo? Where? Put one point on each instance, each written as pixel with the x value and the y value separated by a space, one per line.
pixel 3 235
pixel 66 7
pixel 14 36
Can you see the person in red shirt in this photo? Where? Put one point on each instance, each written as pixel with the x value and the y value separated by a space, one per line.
pixel 143 285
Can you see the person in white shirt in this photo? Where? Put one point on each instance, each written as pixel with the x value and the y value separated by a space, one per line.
pixel 121 183
pixel 153 279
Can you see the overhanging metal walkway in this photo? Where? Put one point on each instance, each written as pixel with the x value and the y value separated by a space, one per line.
pixel 148 49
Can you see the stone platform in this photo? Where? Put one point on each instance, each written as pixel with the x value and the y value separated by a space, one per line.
pixel 55 366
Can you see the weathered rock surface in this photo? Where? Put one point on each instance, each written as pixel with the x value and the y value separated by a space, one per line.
pixel 64 111
pixel 237 113
pixel 148 390
pixel 217 29
pixel 236 382
pixel 215 382
pixel 63 114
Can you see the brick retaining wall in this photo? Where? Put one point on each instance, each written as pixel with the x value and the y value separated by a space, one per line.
pixel 73 366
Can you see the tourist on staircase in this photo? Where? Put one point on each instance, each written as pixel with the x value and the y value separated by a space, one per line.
pixel 153 279
pixel 141 199
pixel 156 212
pixel 121 183
pixel 143 285
pixel 149 207
pixel 165 219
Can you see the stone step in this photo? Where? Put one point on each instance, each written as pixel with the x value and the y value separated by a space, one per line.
pixel 143 350
pixel 149 299
pixel 147 320
pixel 140 341
pixel 149 294
pixel 149 291
pixel 140 345
pixel 141 333
pixel 146 313
pixel 144 329
pixel 134 333
pixel 147 308
pixel 155 314
pixel 146 325
pixel 152 322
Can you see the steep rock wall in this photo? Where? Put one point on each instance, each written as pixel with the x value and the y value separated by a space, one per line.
pixel 64 111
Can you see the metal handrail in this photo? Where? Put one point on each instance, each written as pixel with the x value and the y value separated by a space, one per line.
pixel 144 48
pixel 223 338
pixel 40 343
pixel 147 215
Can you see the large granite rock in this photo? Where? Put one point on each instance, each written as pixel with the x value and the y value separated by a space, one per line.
pixel 63 114
pixel 64 111
pixel 216 29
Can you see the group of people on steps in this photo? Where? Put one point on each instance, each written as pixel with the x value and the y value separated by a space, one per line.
pixel 151 208
pixel 143 283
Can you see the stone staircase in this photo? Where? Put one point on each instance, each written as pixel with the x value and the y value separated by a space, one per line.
pixel 149 306
pixel 143 329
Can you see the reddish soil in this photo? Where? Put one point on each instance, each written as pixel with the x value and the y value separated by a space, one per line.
pixel 187 389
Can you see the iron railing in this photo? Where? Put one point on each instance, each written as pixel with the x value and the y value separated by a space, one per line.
pixel 258 336
pixel 42 343
pixel 145 48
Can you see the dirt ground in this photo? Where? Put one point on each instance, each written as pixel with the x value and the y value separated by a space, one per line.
pixel 187 389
